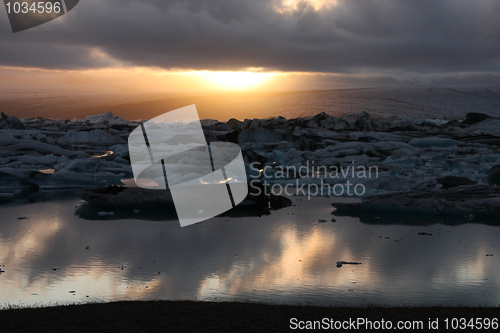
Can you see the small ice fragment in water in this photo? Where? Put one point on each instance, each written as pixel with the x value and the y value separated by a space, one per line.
pixel 340 263
pixel 470 217
pixel 106 213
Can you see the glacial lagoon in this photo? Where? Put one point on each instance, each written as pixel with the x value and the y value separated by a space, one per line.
pixel 49 255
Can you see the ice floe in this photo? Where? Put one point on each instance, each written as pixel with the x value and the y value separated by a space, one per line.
pixel 417 160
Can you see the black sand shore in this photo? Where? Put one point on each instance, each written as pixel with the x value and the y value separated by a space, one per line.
pixel 190 316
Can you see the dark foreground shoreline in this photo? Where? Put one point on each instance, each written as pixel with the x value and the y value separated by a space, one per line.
pixel 192 316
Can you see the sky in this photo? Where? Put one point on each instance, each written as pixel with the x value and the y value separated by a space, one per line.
pixel 180 45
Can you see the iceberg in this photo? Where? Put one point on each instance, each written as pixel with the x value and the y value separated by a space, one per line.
pixel 412 156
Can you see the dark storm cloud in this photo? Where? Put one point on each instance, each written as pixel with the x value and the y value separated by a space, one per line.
pixel 353 36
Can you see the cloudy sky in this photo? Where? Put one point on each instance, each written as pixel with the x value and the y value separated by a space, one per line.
pixel 405 38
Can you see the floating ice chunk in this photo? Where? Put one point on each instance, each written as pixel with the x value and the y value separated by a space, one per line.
pixel 489 126
pixel 340 263
pixel 80 165
pixel 280 158
pixel 396 149
pixel 105 118
pixel 94 136
pixel 434 142
pixel 10 122
pixel 6 137
pixel 120 150
pixel 120 160
pixel 21 146
pixel 260 135
pixel 10 182
pixel 106 213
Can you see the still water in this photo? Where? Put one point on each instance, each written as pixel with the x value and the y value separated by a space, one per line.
pixel 55 256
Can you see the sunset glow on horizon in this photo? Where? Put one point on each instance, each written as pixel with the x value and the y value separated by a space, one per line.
pixel 232 80
pixel 143 79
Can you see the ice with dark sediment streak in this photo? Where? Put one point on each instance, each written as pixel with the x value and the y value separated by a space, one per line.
pixel 411 155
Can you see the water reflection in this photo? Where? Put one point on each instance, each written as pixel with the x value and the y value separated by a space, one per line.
pixel 47 171
pixel 103 154
pixel 283 257
pixel 94 212
pixel 409 218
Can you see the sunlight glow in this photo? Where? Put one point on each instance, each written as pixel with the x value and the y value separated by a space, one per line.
pixel 291 6
pixel 234 80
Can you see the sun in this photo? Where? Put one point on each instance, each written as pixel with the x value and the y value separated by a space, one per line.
pixel 235 80
pixel 292 6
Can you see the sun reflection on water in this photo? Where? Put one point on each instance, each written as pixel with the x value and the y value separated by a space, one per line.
pixel 284 257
